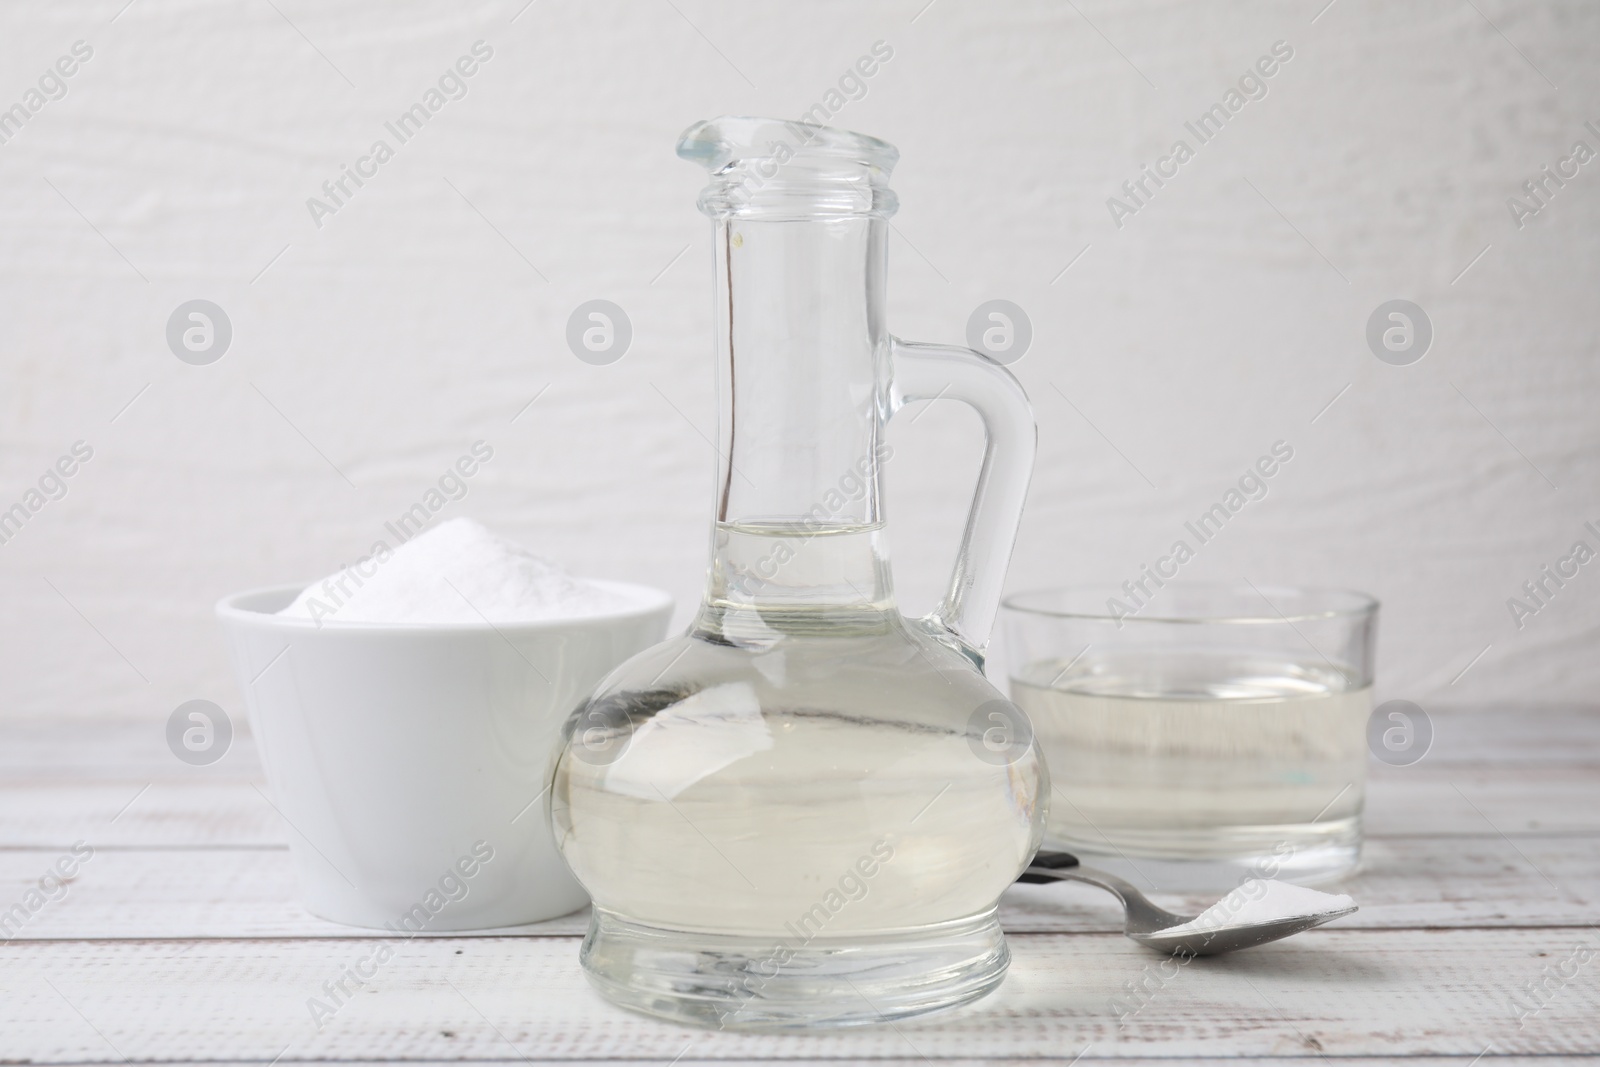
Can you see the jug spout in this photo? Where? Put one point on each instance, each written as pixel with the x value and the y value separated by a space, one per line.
pixel 775 168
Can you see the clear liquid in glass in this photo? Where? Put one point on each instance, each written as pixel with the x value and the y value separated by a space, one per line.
pixel 784 817
pixel 1194 768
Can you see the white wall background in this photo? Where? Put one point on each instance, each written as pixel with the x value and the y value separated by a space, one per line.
pixel 1219 319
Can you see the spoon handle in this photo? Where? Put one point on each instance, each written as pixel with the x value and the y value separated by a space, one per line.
pixel 1143 917
pixel 1047 861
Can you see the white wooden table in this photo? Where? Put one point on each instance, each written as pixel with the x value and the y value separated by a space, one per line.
pixel 180 941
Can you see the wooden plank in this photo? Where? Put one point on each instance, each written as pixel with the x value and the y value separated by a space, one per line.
pixel 135 813
pixel 1492 1060
pixel 1481 881
pixel 1519 799
pixel 1332 993
pixel 112 748
pixel 1405 882
pixel 215 811
pixel 184 894
pixel 690 1060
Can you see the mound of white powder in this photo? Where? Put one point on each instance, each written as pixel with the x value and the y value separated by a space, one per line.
pixel 456 572
pixel 1261 900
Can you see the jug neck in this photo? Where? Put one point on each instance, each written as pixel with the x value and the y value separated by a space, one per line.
pixel 803 373
pixel 803 365
pixel 803 393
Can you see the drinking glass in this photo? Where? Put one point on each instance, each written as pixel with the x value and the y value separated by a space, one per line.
pixel 1198 733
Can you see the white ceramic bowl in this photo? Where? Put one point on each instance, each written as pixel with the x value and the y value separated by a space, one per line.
pixel 412 762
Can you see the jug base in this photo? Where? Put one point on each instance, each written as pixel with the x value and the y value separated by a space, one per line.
pixel 728 982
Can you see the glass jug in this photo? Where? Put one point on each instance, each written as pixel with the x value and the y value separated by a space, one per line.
pixel 803 812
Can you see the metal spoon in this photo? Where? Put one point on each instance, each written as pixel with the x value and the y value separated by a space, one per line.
pixel 1145 922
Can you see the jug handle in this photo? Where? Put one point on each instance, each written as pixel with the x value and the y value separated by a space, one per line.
pixel 932 372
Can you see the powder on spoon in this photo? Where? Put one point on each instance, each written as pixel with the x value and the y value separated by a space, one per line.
pixel 456 572
pixel 1263 900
